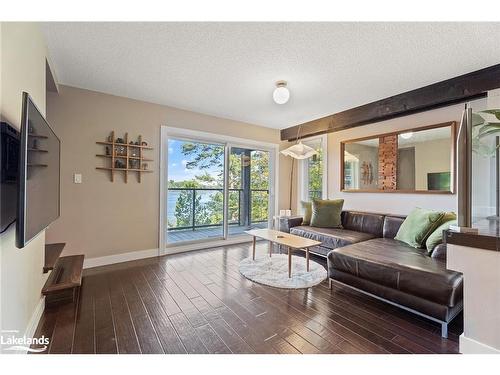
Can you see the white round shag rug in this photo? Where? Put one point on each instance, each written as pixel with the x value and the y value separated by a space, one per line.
pixel 273 271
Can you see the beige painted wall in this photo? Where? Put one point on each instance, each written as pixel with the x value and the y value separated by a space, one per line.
pixel 431 157
pixel 98 217
pixel 390 202
pixel 23 55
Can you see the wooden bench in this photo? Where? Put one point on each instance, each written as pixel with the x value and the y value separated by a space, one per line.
pixel 66 276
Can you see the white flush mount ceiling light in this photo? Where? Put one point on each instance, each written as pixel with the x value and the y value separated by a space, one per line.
pixel 281 93
pixel 407 135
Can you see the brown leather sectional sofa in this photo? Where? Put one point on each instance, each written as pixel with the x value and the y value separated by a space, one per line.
pixel 365 256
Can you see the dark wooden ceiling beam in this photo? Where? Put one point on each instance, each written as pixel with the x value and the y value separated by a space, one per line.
pixel 451 91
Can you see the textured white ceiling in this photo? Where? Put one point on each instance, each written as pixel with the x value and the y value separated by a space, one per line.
pixel 229 69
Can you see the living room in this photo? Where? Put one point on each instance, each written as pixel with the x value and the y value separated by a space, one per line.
pixel 249 188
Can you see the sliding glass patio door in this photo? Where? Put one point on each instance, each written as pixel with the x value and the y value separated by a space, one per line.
pixel 195 195
pixel 248 192
pixel 215 190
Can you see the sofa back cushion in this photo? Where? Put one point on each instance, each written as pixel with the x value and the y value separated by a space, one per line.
pixel 391 225
pixel 363 222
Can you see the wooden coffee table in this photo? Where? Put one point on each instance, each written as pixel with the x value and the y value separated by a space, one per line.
pixel 291 241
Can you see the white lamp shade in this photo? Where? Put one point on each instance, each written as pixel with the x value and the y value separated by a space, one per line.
pixel 299 151
pixel 281 95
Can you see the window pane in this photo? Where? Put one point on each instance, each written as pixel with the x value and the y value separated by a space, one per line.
pixel 259 168
pixel 195 198
pixel 260 206
pixel 209 207
pixel 248 196
pixel 315 173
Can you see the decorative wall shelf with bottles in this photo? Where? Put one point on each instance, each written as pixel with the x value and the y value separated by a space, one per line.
pixel 125 156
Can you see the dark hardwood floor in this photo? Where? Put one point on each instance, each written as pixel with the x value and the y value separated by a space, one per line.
pixel 198 302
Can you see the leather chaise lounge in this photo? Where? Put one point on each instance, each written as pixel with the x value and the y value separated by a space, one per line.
pixel 365 256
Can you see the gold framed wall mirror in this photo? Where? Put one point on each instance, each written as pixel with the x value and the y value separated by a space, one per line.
pixel 419 161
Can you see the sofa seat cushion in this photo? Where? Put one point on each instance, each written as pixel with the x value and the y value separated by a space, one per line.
pixel 331 238
pixel 396 265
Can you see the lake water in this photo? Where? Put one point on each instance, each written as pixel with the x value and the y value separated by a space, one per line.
pixel 171 201
pixel 173 196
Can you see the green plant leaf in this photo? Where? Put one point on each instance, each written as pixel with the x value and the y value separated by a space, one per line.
pixel 495 112
pixel 488 130
pixel 477 119
pixel 481 149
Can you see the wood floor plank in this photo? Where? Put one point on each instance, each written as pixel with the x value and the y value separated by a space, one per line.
pixel 300 329
pixel 322 331
pixel 205 309
pixel 64 330
pixel 358 340
pixel 188 334
pixel 255 338
pixel 232 340
pixel 248 333
pixel 189 310
pixel 348 335
pixel 167 335
pixel 212 341
pixel 299 319
pixel 84 341
pixel 374 333
pixel 202 290
pixel 276 319
pixel 301 344
pixel 124 328
pixel 284 347
pixel 146 334
pixel 46 328
pixel 105 339
pixel 182 283
pixel 407 326
pixel 357 311
pixel 411 346
pixel 163 296
pixel 181 299
pixel 198 302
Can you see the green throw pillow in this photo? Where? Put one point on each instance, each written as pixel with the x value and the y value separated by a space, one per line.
pixel 326 213
pixel 448 216
pixel 436 237
pixel 418 225
pixel 307 211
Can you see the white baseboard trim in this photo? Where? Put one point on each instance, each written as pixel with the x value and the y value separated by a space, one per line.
pixel 471 346
pixel 150 253
pixel 205 245
pixel 35 319
pixel 119 258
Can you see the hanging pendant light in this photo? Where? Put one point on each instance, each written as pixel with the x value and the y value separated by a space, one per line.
pixel 299 151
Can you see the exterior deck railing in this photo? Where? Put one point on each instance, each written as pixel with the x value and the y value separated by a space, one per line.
pixel 194 206
pixel 315 194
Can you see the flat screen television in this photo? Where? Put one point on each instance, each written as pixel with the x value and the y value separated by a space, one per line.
pixel 439 181
pixel 9 161
pixel 39 170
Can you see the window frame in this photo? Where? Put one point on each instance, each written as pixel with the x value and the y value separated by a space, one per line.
pixel 303 170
